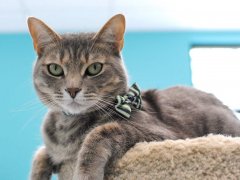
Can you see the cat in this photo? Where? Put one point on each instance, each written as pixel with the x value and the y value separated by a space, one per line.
pixel 78 77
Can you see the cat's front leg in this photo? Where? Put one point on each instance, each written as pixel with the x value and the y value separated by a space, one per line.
pixel 106 142
pixel 42 167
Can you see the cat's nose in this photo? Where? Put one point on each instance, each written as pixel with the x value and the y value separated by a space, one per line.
pixel 72 91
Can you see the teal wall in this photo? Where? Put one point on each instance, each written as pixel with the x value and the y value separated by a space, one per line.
pixel 153 60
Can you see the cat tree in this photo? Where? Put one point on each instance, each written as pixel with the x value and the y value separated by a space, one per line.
pixel 211 157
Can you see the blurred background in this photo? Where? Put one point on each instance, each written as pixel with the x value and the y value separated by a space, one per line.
pixel 167 42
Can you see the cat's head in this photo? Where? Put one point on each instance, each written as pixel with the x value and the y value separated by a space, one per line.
pixel 77 73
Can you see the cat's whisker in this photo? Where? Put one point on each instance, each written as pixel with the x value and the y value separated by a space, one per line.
pixel 112 110
pixel 31 105
pixel 109 103
pixel 36 114
pixel 106 112
pixel 101 104
pixel 101 110
pixel 49 102
pixel 98 95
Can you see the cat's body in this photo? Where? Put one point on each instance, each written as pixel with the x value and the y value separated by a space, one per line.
pixel 83 140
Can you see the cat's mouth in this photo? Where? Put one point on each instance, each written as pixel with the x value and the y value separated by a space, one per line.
pixel 73 103
pixel 78 103
pixel 76 107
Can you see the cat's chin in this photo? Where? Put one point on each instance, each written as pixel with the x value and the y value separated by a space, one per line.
pixel 75 108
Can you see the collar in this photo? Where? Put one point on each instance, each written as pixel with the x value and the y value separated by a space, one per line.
pixel 131 99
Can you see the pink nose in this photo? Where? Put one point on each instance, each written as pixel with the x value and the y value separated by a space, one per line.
pixel 72 91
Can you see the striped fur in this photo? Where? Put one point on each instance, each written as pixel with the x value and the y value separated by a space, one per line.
pixel 88 134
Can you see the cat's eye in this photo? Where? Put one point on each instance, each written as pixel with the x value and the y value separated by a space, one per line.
pixel 94 69
pixel 55 69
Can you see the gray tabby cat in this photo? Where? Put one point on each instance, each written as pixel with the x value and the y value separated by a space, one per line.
pixel 78 76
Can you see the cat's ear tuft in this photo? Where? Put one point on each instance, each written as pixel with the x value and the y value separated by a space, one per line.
pixel 42 35
pixel 113 31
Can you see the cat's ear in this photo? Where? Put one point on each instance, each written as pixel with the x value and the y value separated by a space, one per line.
pixel 42 35
pixel 113 31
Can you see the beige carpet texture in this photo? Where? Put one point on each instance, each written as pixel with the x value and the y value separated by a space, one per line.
pixel 212 157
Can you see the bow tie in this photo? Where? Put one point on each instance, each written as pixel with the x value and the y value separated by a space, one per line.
pixel 131 99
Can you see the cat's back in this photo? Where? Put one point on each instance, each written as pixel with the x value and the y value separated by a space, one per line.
pixel 180 96
pixel 190 111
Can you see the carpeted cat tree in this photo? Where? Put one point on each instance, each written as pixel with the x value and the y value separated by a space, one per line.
pixel 211 157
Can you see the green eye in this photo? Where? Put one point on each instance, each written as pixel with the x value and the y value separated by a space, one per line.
pixel 94 69
pixel 55 70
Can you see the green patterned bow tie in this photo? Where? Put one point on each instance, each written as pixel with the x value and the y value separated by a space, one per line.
pixel 132 98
